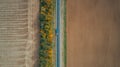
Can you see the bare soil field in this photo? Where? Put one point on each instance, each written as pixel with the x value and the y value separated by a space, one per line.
pixel 93 33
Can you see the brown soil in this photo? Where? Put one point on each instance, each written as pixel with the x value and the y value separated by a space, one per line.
pixel 93 33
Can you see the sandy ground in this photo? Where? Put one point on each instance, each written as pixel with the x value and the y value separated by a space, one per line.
pixel 93 33
pixel 18 33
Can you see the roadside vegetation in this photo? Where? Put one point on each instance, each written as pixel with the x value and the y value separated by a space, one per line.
pixel 47 33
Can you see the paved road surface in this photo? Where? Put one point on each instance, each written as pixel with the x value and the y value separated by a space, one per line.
pixel 93 33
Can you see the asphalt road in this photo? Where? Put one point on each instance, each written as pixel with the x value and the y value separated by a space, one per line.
pixel 93 33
